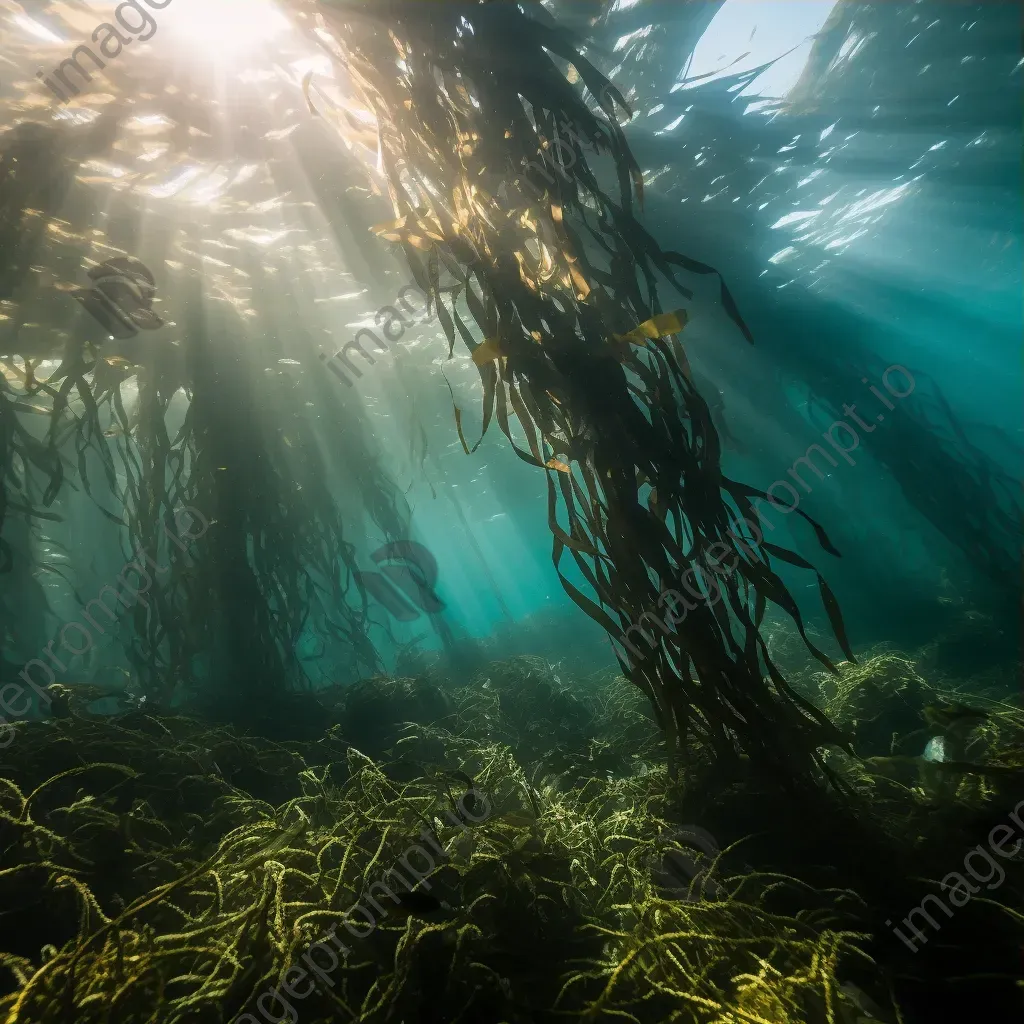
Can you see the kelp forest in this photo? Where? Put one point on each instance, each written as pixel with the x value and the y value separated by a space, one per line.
pixel 510 512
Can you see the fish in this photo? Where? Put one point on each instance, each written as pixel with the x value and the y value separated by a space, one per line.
pixel 280 842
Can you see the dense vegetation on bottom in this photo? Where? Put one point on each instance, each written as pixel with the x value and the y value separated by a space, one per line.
pixel 156 868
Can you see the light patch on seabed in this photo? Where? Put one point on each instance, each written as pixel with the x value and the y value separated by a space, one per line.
pixel 753 32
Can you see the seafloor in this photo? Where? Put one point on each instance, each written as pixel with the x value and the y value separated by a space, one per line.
pixel 511 847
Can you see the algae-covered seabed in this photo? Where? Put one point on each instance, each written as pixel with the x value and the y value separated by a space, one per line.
pixel 160 869
pixel 689 841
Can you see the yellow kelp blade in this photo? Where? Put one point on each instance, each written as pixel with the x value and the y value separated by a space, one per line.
pixel 486 352
pixel 659 326
pixel 418 228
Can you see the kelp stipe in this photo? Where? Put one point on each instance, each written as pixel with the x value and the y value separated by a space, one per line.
pixel 276 554
pixel 37 166
pixel 287 551
pixel 489 153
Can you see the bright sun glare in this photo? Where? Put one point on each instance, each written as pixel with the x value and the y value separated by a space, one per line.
pixel 228 28
pixel 747 33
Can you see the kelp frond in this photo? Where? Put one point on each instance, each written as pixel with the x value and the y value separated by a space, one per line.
pixel 496 134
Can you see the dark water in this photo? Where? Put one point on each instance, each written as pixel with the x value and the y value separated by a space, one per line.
pixel 300 720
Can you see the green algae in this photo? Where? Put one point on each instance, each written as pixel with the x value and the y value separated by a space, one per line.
pixel 160 868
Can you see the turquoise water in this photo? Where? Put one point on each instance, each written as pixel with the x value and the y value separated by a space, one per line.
pixel 866 221
pixel 255 523
pixel 885 236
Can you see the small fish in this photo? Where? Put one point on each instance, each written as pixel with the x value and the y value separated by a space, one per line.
pixel 282 841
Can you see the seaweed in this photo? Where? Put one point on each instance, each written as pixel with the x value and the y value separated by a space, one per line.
pixel 160 866
pixel 280 564
pixel 962 478
pixel 187 895
pixel 492 159
pixel 37 166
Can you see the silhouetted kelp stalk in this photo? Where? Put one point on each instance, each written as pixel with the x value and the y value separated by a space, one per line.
pixel 279 536
pixel 500 210
pixel 280 559
pixel 37 167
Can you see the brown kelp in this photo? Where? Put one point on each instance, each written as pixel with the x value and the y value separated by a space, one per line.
pixel 277 554
pixel 181 417
pixel 281 546
pixel 37 166
pixel 496 134
pixel 959 476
